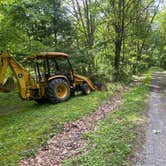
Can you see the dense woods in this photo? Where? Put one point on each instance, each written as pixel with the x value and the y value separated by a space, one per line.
pixel 107 39
pixel 112 42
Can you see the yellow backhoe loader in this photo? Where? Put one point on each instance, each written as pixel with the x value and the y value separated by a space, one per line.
pixel 54 80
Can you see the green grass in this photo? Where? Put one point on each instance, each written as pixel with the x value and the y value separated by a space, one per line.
pixel 117 135
pixel 25 125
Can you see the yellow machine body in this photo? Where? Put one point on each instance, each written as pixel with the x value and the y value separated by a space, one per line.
pixel 31 89
pixel 21 75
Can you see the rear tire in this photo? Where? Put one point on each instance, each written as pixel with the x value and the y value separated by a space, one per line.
pixel 58 90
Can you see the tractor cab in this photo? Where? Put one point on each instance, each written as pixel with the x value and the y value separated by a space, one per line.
pixel 49 65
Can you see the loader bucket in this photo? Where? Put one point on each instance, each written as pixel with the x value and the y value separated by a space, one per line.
pixel 8 86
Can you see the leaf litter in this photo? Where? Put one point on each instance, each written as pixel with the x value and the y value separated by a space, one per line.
pixel 70 143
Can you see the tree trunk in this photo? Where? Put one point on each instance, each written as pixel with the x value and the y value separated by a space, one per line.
pixel 118 45
pixel 119 30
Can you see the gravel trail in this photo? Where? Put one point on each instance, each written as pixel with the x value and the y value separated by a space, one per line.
pixel 154 152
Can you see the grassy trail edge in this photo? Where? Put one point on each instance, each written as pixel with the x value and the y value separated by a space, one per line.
pixel 120 134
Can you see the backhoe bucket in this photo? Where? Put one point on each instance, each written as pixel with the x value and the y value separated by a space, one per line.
pixel 8 86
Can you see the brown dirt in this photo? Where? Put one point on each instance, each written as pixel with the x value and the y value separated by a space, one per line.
pixel 70 143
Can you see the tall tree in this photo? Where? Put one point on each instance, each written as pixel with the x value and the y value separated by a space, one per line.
pixel 39 24
pixel 84 14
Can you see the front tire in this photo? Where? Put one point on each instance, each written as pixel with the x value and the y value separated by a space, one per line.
pixel 58 90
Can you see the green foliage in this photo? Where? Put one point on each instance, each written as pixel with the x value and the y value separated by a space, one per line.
pixel 33 26
pixel 160 37
pixel 126 74
pixel 93 32
pixel 113 141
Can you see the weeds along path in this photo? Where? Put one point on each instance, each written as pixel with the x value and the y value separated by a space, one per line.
pixel 70 142
pixel 154 153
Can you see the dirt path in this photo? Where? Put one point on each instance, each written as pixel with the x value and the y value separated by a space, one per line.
pixel 70 141
pixel 154 153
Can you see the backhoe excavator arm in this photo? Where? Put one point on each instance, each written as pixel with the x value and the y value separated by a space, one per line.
pixel 21 75
pixel 3 67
